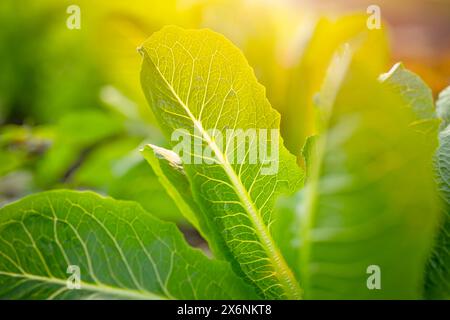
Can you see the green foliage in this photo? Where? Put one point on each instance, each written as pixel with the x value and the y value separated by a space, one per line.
pixel 413 91
pixel 354 212
pixel 75 133
pixel 437 285
pixel 45 68
pixel 365 193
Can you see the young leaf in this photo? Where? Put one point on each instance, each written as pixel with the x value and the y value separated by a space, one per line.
pixel 370 206
pixel 122 252
pixel 197 81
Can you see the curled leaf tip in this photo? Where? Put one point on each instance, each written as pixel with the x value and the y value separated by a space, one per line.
pixel 140 50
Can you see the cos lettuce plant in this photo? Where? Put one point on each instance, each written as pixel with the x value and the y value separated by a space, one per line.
pixel 366 197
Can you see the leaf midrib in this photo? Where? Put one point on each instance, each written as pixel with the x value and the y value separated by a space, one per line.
pixel 113 291
pixel 286 276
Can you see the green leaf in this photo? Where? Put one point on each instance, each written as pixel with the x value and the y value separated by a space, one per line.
pixel 148 192
pixel 105 164
pixel 369 199
pixel 437 285
pixel 20 144
pixel 121 251
pixel 198 81
pixel 285 228
pixel 418 96
pixel 309 152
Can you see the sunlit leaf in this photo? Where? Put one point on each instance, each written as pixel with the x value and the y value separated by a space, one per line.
pixel 437 283
pixel 412 89
pixel 115 166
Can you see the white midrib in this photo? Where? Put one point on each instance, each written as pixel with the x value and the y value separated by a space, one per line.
pixel 113 291
pixel 284 273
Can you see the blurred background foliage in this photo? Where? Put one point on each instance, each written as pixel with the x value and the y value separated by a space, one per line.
pixel 72 113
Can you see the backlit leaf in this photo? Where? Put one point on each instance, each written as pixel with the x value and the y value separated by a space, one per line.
pixel 198 81
pixel 369 202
